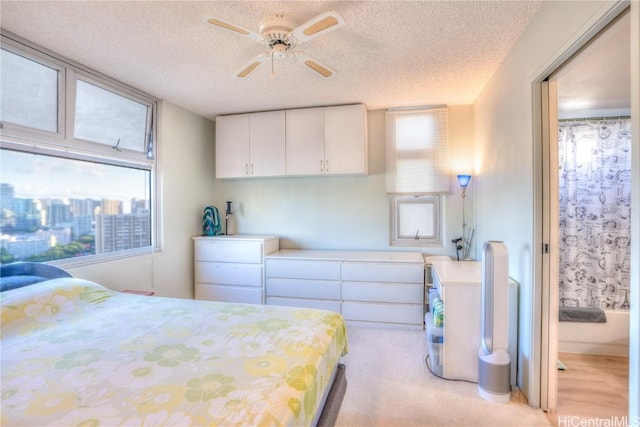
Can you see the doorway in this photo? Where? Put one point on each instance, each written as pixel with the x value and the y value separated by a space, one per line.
pixel 588 98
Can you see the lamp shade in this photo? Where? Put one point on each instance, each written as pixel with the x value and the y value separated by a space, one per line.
pixel 463 180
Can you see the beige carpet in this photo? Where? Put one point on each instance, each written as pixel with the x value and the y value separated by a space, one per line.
pixel 389 385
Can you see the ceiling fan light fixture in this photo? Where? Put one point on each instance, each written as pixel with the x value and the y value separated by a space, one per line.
pixel 280 50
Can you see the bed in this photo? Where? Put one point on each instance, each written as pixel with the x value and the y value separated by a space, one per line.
pixel 77 353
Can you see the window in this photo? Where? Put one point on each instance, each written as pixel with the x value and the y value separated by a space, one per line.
pixel 78 168
pixel 29 92
pixel 417 151
pixel 105 117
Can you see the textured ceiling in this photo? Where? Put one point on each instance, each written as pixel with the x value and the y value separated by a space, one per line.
pixel 389 53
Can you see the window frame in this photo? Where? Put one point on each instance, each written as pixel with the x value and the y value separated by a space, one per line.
pixel 436 240
pixel 63 144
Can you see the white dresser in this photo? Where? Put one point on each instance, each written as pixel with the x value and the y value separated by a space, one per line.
pixel 231 268
pixel 380 287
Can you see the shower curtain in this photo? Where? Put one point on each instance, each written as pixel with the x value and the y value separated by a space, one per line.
pixel 595 194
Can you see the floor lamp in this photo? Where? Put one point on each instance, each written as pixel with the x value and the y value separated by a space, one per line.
pixel 464 180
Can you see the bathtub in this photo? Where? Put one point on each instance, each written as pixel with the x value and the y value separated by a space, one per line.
pixel 610 338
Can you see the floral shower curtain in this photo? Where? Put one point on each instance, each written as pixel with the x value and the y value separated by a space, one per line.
pixel 595 194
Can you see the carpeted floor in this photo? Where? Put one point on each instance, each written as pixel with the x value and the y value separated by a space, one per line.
pixel 389 385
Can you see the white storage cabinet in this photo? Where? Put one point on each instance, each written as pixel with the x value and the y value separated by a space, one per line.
pixel 250 145
pixel 304 283
pixel 306 141
pixel 231 268
pixel 326 141
pixel 380 287
pixel 382 291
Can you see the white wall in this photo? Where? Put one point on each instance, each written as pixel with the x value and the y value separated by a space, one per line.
pixel 186 145
pixel 504 129
pixel 347 212
pixel 343 212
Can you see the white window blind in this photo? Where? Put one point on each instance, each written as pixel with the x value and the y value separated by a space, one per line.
pixel 417 151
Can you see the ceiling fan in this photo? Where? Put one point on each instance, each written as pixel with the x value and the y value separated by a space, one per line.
pixel 281 35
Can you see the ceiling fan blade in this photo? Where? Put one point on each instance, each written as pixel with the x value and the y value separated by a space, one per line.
pixel 317 66
pixel 251 66
pixel 318 26
pixel 236 29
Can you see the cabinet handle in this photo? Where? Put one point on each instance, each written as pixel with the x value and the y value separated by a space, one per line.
pixel 246 168
pixel 326 164
pixel 321 165
pixel 251 168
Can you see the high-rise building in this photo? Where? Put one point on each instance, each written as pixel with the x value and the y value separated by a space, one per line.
pixel 120 232
pixel 110 207
pixel 7 209
pixel 59 214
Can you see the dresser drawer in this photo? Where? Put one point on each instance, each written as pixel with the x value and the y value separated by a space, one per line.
pixel 301 288
pixel 306 303
pixel 383 272
pixel 228 273
pixel 387 313
pixel 303 269
pixel 383 292
pixel 228 251
pixel 240 294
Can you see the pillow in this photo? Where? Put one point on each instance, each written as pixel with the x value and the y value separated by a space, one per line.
pixel 13 282
pixel 19 274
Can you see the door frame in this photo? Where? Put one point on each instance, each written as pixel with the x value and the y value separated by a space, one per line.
pixel 546 214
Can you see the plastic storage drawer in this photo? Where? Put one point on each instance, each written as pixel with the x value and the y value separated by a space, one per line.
pixel 435 341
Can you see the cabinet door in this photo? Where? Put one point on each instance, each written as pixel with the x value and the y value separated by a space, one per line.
pixel 232 146
pixel 267 144
pixel 305 141
pixel 345 139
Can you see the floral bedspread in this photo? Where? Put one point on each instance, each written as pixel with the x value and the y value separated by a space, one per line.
pixel 75 353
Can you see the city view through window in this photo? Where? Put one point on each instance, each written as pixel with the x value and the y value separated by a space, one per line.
pixel 55 208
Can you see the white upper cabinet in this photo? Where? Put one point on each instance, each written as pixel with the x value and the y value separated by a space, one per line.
pixel 345 139
pixel 250 145
pixel 267 144
pixel 233 141
pixel 307 141
pixel 329 140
